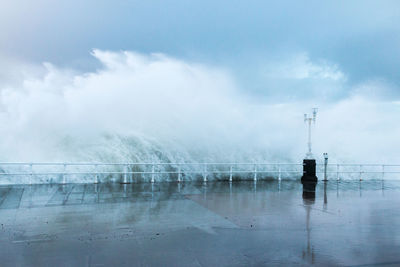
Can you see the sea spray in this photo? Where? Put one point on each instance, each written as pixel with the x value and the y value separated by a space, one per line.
pixel 154 108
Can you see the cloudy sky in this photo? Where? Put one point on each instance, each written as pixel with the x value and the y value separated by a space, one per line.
pixel 270 46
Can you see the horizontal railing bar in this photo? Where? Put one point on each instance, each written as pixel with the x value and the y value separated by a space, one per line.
pixel 140 163
pixel 360 164
pixel 172 163
pixel 144 172
pixel 188 172
pixel 363 172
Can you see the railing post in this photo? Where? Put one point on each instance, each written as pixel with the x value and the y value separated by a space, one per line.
pixel 63 175
pixel 279 172
pixel 125 181
pixel 179 174
pixel 255 172
pixel 337 172
pixel 96 175
pixel 383 171
pixel 152 173
pixel 205 173
pixel 360 172
pixel 230 173
pixel 31 173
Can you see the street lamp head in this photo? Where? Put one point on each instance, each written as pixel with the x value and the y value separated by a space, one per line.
pixel 325 155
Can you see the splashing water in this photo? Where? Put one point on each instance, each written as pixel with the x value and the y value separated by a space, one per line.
pixel 154 108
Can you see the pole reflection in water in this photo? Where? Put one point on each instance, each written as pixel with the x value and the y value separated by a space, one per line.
pixel 279 185
pixel 325 196
pixel 96 190
pixel 152 195
pixel 308 202
pixel 205 190
pixel 231 201
pixel 125 189
pixel 337 188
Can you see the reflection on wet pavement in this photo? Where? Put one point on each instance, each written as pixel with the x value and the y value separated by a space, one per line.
pixel 196 224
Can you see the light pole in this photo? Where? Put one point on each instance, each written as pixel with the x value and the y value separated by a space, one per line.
pixel 309 164
pixel 308 119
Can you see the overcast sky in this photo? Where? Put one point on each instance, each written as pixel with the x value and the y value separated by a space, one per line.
pixel 269 46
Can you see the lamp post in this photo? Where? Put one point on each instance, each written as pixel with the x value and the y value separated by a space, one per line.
pixel 310 120
pixel 309 164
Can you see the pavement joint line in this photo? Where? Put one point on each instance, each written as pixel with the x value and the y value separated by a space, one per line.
pixel 84 193
pixel 20 198
pixel 52 196
pixel 5 196
pixel 67 195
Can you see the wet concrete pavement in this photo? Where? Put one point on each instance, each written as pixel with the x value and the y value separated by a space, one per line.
pixel 192 224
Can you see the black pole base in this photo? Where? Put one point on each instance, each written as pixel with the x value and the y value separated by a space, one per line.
pixel 309 171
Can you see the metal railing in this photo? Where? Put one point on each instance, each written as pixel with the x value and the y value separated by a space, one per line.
pixel 62 172
pixel 359 171
pixel 125 172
